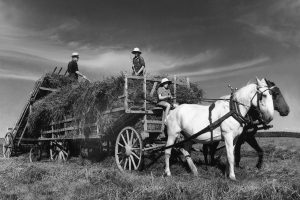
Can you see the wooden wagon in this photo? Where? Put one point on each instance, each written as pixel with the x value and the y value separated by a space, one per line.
pixel 137 127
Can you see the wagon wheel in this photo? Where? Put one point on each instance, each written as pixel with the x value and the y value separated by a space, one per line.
pixel 8 145
pixel 59 150
pixel 35 154
pixel 129 149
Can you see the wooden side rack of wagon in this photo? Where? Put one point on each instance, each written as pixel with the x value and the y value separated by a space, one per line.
pixel 133 124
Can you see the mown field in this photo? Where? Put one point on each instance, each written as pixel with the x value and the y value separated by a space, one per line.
pixel 83 179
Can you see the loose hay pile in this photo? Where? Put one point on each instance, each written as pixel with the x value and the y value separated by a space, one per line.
pixel 86 101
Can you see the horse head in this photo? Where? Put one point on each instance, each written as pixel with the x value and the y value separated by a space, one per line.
pixel 263 101
pixel 278 100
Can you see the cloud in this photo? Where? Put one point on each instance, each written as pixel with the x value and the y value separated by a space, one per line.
pixel 190 63
pixel 278 20
pixel 5 74
pixel 220 72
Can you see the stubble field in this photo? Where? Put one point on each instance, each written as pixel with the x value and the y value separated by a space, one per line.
pixel 83 179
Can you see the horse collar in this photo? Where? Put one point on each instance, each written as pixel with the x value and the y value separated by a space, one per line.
pixel 236 113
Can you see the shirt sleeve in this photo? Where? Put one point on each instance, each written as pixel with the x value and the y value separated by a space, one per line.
pixel 142 62
pixel 76 67
pixel 159 91
pixel 69 67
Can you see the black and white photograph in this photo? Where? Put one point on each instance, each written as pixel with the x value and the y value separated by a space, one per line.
pixel 141 100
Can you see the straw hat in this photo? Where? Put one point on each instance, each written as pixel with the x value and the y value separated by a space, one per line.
pixel 165 80
pixel 75 54
pixel 136 50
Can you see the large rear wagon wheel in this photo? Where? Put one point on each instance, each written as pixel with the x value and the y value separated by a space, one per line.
pixel 7 145
pixel 129 150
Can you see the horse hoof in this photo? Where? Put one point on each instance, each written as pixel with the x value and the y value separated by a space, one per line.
pixel 258 166
pixel 232 178
pixel 166 174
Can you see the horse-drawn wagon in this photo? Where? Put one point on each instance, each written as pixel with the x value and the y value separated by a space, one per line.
pixel 123 119
pixel 129 125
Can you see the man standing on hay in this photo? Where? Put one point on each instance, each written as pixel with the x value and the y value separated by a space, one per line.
pixel 164 96
pixel 138 63
pixel 73 67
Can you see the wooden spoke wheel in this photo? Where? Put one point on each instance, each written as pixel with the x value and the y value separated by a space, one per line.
pixel 59 150
pixel 129 150
pixel 35 154
pixel 8 145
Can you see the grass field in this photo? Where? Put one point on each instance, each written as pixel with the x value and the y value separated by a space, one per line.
pixel 81 179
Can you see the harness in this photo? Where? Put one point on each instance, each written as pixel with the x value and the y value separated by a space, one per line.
pixel 233 112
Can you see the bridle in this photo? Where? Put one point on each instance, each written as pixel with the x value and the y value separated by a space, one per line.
pixel 259 98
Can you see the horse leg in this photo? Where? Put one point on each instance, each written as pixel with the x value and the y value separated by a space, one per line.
pixel 213 149
pixel 228 137
pixel 237 150
pixel 170 141
pixel 189 161
pixel 205 153
pixel 253 143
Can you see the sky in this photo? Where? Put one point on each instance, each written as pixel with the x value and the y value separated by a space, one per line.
pixel 215 43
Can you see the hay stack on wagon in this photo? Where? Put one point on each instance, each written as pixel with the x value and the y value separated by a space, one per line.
pixel 87 101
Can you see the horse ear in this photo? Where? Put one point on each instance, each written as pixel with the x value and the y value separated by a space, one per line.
pixel 264 82
pixel 258 82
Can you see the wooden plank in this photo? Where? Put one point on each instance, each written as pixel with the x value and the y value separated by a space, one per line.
pixel 140 111
pixel 175 89
pixel 142 77
pixel 113 110
pixel 54 70
pixel 126 93
pixel 188 83
pixel 152 79
pixel 154 131
pixel 62 121
pixel 145 101
pixel 79 137
pixel 48 89
pixel 153 89
pixel 154 122
pixel 69 128
pixel 59 71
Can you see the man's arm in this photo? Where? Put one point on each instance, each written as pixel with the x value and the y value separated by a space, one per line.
pixel 142 62
pixel 162 97
pixel 141 69
pixel 133 69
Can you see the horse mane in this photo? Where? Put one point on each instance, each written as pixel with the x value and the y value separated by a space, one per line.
pixel 270 83
pixel 243 92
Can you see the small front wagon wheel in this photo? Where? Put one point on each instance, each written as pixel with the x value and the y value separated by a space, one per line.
pixel 129 149
pixel 8 145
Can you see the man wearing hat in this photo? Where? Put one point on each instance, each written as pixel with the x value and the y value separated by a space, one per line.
pixel 138 63
pixel 164 95
pixel 73 67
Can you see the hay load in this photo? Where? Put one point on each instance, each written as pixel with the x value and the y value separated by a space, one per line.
pixel 86 101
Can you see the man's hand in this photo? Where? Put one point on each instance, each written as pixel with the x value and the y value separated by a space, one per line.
pixel 134 70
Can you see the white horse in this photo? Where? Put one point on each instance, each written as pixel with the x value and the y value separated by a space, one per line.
pixel 189 119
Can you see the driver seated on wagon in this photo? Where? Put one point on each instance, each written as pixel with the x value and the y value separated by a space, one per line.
pixel 164 95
